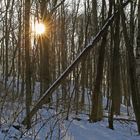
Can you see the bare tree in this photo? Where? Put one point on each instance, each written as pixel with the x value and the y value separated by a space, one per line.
pixel 27 61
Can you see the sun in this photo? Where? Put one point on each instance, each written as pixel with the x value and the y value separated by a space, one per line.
pixel 39 28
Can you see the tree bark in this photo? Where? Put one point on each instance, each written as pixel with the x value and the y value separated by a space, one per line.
pixel 27 61
pixel 132 71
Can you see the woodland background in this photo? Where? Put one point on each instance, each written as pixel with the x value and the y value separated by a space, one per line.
pixel 101 37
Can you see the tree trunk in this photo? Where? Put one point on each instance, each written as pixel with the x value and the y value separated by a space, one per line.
pixel 132 72
pixel 27 61
pixel 44 44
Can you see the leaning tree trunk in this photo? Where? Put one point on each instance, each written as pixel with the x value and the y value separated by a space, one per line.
pixel 138 49
pixel 138 63
pixel 138 37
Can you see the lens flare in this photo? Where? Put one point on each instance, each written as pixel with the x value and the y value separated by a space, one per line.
pixel 39 28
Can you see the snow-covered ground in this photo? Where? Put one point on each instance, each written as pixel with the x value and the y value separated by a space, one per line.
pixel 83 130
pixel 49 125
pixel 72 130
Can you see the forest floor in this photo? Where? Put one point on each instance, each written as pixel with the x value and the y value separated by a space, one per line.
pixel 79 130
pixel 52 125
pixel 83 130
